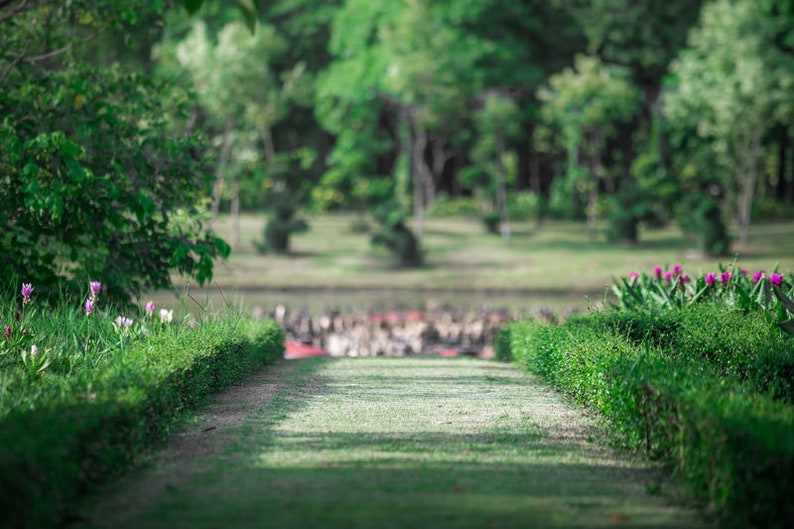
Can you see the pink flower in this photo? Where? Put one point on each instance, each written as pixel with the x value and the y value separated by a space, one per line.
pixel 776 279
pixel 8 331
pixel 95 287
pixel 634 276
pixel 668 276
pixel 745 271
pixel 89 306
pixel 725 277
pixel 27 290
pixel 758 276
pixel 150 307
pixel 684 279
pixel 711 278
pixel 657 271
pixel 677 269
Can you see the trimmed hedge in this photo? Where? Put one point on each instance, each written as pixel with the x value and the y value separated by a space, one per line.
pixel 94 424
pixel 732 446
pixel 741 346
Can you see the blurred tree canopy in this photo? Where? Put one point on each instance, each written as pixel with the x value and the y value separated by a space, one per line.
pixel 166 110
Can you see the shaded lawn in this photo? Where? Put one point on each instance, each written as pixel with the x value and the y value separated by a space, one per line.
pixel 396 443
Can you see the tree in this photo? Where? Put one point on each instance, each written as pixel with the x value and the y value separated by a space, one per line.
pixel 99 181
pixel 244 99
pixel 585 103
pixel 497 122
pixel 732 85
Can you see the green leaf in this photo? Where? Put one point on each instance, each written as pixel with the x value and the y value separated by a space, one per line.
pixel 249 9
pixel 788 326
pixel 192 5
pixel 785 301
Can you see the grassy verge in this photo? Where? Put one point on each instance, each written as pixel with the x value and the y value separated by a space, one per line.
pixel 554 257
pixel 706 391
pixel 81 395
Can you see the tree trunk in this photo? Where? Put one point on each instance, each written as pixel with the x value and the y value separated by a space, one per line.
pixel 220 170
pixel 235 213
pixel 267 141
pixel 418 166
pixel 501 191
pixel 747 185
pixel 594 166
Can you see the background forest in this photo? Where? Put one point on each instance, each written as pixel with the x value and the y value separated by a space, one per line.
pixel 126 126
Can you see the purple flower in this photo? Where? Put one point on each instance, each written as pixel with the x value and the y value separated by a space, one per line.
pixel 95 287
pixel 745 271
pixel 89 306
pixel 684 279
pixel 758 276
pixel 27 290
pixel 677 269
pixel 776 279
pixel 150 307
pixel 8 331
pixel 725 277
pixel 657 271
pixel 711 278
pixel 634 276
pixel 668 276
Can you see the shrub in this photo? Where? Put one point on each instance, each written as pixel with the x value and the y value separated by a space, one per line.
pixel 281 224
pixel 107 391
pixel 393 234
pixel 732 446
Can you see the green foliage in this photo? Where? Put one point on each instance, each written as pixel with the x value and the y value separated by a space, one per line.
pixel 730 444
pixel 281 224
pixel 701 216
pixel 629 207
pixel 771 296
pixel 732 85
pixel 96 187
pixel 392 233
pixel 99 388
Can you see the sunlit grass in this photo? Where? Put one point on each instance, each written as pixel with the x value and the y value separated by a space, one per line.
pixel 555 257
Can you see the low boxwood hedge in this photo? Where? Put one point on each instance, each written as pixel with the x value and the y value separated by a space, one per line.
pixel 732 445
pixel 86 428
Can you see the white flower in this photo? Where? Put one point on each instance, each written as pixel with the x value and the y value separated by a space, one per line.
pixel 121 321
pixel 166 316
pixel 33 350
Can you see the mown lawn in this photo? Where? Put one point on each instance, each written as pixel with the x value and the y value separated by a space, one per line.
pixel 555 257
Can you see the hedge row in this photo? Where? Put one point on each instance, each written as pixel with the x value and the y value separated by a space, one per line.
pixel 102 419
pixel 731 444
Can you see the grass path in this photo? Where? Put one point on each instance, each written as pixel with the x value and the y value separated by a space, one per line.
pixel 388 443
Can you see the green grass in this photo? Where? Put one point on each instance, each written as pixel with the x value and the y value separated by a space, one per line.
pixel 557 257
pixel 396 443
pixel 94 396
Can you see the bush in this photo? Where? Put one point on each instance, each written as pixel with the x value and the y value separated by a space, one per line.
pixel 732 446
pixel 87 415
pixel 396 237
pixel 281 224
pixel 701 216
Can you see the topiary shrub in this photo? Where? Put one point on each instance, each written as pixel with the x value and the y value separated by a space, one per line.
pixel 392 234
pixel 280 225
pixel 701 216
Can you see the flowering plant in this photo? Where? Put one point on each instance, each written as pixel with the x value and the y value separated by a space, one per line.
pixel 772 293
